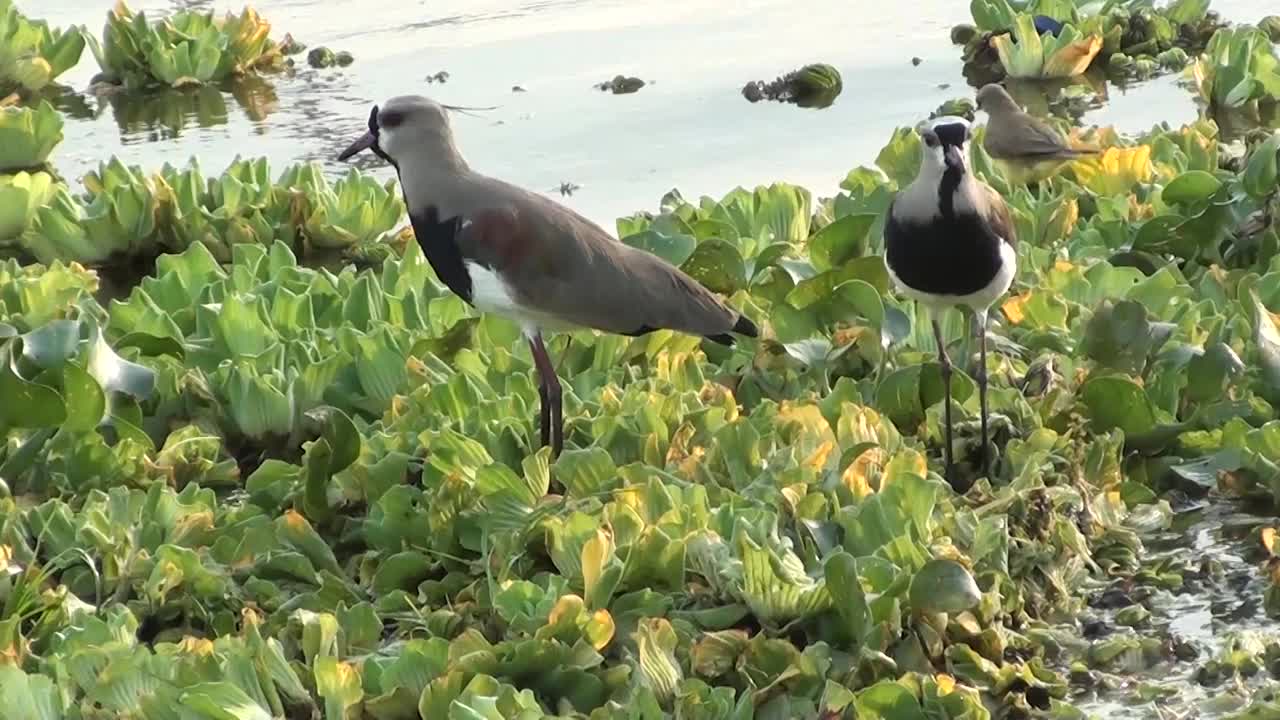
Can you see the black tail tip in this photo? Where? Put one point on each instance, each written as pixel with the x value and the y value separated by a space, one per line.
pixel 744 326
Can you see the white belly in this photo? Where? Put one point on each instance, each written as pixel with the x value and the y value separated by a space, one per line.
pixel 489 293
pixel 979 301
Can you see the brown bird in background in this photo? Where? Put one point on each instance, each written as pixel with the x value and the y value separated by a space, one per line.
pixel 506 250
pixel 1027 148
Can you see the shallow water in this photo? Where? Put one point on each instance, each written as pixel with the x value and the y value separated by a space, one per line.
pixel 689 128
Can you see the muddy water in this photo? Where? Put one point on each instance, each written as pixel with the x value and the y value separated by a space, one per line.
pixel 689 128
pixel 1216 550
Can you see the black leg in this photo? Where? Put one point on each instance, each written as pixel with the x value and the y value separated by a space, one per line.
pixel 982 389
pixel 946 391
pixel 544 412
pixel 551 394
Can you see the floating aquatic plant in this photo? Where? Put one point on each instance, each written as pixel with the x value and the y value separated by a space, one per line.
pixel 816 85
pixel 33 55
pixel 186 48
pixel 1239 68
pixel 28 136
pixel 1027 54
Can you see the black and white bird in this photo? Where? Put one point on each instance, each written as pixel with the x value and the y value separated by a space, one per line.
pixel 949 242
pixel 520 254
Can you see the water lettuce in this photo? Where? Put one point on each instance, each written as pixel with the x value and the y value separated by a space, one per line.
pixel 186 48
pixel 28 136
pixel 1027 54
pixel 1238 68
pixel 32 55
pixel 21 195
pixel 117 219
pixel 258 489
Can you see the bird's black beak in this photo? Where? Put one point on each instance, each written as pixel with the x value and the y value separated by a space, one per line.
pixel 953 156
pixel 366 141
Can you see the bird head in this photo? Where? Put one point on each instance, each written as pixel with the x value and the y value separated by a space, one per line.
pixel 993 98
pixel 944 144
pixel 408 125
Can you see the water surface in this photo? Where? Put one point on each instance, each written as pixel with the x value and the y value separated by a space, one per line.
pixel 689 128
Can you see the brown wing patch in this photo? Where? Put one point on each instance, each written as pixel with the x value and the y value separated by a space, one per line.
pixel 494 237
pixel 998 216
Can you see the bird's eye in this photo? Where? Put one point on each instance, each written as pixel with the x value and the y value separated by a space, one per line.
pixel 931 141
pixel 390 119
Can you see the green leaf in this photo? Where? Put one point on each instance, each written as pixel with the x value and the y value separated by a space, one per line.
pixel 338 683
pixel 675 248
pixel 86 403
pixel 1118 402
pixel 52 344
pixel 657 668
pixel 1260 173
pixel 585 472
pixel 1119 336
pixel 27 404
pixel 28 697
pixel 841 241
pixel 114 373
pixel 221 701
pixel 1191 187
pixel 717 265
pixel 943 586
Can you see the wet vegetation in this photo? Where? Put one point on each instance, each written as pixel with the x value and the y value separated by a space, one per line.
pixel 257 462
pixel 815 86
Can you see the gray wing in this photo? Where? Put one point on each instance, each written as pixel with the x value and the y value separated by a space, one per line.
pixel 562 264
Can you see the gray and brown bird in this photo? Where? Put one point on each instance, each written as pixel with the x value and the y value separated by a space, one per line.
pixel 949 242
pixel 1027 148
pixel 519 254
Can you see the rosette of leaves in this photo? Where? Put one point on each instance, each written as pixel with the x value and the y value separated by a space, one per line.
pixel 28 136
pixel 117 218
pixel 353 211
pixel 234 208
pixel 186 48
pixel 1025 53
pixel 21 196
pixel 32 55
pixel 1238 69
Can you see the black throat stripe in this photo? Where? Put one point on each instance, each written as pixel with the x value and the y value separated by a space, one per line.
pixel 439 242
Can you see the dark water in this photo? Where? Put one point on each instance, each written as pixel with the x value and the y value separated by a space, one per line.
pixel 689 128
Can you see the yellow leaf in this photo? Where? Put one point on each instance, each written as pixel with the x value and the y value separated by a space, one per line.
pixel 294 520
pixel 1116 170
pixel 1072 59
pixel 946 683
pixel 906 461
pixel 857 477
pixel 818 458
pixel 596 554
pixel 568 606
pixel 599 629
pixel 192 645
pixel 1268 537
pixel 1013 308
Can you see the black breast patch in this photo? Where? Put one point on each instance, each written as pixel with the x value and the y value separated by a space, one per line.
pixel 955 255
pixel 439 242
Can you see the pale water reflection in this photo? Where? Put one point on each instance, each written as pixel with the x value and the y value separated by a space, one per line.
pixel 688 128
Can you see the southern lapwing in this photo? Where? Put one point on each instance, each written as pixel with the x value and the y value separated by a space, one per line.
pixel 949 242
pixel 506 250
pixel 1028 148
